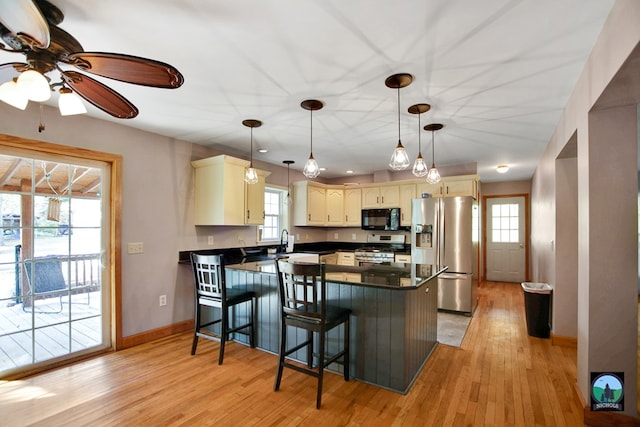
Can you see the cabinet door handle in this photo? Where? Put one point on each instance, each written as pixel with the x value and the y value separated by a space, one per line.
pixel 383 199
pixel 264 215
pixel 377 199
pixel 309 217
pixel 328 218
pixel 248 214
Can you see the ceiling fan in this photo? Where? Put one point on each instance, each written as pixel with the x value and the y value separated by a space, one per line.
pixel 30 27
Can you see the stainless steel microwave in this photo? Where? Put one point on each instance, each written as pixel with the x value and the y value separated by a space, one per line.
pixel 381 219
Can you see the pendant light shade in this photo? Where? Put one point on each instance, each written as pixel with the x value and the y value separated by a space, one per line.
pixel 433 177
pixel 399 158
pixel 12 95
pixel 288 200
pixel 420 168
pixel 250 175
pixel 311 169
pixel 69 103
pixel 34 85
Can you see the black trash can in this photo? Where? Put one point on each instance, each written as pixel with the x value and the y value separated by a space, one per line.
pixel 537 303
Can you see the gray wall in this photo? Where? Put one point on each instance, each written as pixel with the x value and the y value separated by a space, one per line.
pixel 601 114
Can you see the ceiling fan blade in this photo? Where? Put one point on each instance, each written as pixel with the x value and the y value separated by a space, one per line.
pixel 103 97
pixel 128 68
pixel 22 17
pixel 10 70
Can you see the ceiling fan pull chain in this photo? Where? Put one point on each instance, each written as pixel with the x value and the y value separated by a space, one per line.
pixel 41 126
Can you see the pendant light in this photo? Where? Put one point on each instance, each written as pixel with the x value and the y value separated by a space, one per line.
pixel 250 175
pixel 433 177
pixel 420 168
pixel 288 200
pixel 399 158
pixel 311 169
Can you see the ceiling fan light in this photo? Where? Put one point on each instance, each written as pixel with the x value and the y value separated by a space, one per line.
pixel 502 168
pixel 420 168
pixel 399 158
pixel 433 177
pixel 311 169
pixel 70 104
pixel 34 85
pixel 251 176
pixel 12 95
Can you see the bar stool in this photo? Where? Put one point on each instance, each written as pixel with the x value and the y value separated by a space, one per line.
pixel 302 289
pixel 211 291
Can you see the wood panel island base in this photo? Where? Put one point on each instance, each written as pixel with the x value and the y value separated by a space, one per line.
pixel 394 317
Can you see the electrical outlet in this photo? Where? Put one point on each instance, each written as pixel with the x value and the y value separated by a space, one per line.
pixel 135 248
pixel 210 240
pixel 336 236
pixel 163 300
pixel 353 236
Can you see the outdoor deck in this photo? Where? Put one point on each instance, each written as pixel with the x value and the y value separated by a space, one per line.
pixel 60 328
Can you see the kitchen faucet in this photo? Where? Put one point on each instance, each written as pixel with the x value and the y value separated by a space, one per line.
pixel 283 241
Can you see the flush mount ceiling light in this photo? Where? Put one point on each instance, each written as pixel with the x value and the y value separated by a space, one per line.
pixel 399 158
pixel 30 28
pixel 288 200
pixel 311 169
pixel 433 176
pixel 502 168
pixel 250 175
pixel 420 168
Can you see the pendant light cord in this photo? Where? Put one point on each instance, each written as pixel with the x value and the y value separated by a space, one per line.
pixel 419 143
pixel 311 133
pixel 251 153
pixel 433 150
pixel 398 113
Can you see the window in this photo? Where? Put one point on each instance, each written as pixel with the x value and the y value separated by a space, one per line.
pixel 504 222
pixel 275 215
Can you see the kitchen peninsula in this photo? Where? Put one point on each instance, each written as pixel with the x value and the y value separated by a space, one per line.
pixel 394 316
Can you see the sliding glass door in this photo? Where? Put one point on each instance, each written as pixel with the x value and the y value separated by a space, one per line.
pixel 54 237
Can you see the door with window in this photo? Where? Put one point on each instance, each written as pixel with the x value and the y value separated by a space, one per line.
pixel 54 235
pixel 506 239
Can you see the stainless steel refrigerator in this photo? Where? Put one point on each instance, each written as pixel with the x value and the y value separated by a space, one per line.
pixel 442 234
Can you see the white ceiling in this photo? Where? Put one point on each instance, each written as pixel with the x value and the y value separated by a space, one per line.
pixel 497 74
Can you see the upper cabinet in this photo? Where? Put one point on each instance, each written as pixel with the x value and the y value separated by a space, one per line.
pixel 317 204
pixel 309 203
pixel 387 196
pixel 407 194
pixel 334 206
pixel 465 185
pixel 352 207
pixel 221 195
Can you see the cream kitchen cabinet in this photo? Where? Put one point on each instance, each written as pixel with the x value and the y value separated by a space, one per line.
pixel 407 194
pixel 334 206
pixel 451 187
pixel 309 201
pixel 387 196
pixel 254 201
pixel 352 207
pixel 434 189
pixel 221 195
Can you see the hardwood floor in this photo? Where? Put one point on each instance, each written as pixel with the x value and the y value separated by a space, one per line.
pixel 499 376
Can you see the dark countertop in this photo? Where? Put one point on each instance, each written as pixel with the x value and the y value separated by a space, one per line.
pixel 394 275
pixel 259 253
